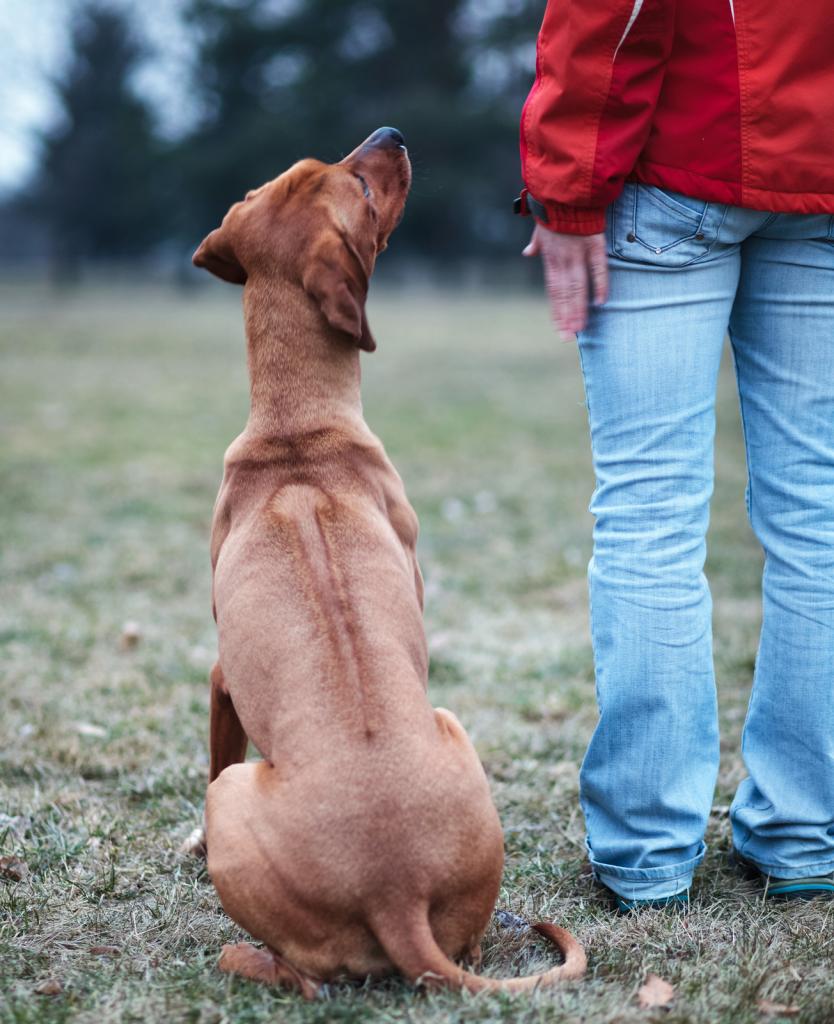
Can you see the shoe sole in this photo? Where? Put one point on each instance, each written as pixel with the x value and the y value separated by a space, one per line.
pixel 784 888
pixel 680 901
pixel 800 889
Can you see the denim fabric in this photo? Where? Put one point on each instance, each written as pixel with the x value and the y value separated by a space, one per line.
pixel 684 273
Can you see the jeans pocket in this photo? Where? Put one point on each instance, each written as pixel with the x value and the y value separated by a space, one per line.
pixel 665 229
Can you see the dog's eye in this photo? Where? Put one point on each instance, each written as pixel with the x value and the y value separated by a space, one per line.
pixel 365 187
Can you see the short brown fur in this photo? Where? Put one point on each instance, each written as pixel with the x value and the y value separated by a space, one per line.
pixel 366 841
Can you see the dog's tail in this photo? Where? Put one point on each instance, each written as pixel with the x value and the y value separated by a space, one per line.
pixel 409 943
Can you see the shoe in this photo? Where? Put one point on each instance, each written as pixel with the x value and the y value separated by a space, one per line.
pixel 812 887
pixel 679 901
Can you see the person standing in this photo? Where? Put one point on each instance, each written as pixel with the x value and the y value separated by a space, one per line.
pixel 678 159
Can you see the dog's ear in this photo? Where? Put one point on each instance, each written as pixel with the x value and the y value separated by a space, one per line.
pixel 337 278
pixel 216 255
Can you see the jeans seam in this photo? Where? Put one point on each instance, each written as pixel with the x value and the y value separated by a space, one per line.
pixel 582 802
pixel 749 503
pixel 700 258
pixel 678 209
pixel 743 417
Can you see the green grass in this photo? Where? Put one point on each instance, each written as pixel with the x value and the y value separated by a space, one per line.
pixel 115 409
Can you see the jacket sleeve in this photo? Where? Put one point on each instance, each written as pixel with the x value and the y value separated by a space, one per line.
pixel 599 68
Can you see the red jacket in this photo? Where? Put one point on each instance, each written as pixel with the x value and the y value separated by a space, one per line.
pixel 730 101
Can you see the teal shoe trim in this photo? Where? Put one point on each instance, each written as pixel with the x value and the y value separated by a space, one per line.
pixel 810 888
pixel 679 901
pixel 801 888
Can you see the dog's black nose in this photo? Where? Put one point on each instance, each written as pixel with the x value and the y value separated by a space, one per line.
pixel 391 137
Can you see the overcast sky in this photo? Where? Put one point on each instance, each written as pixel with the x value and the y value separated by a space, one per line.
pixel 31 46
pixel 34 48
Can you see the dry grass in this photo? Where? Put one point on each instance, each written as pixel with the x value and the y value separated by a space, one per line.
pixel 115 409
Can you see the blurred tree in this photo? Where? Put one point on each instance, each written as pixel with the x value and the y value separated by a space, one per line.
pixel 101 183
pixel 278 80
pixel 284 79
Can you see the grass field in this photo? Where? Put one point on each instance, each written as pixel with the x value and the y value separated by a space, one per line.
pixel 115 409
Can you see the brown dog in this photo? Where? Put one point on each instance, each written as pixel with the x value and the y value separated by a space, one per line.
pixel 367 840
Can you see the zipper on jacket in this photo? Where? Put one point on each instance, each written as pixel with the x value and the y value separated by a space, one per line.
pixel 634 12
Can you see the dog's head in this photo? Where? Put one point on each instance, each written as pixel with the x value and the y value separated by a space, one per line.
pixel 322 225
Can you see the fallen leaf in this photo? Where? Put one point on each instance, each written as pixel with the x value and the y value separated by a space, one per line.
pixel 105 951
pixel 88 729
pixel 507 920
pixel 13 868
pixel 50 987
pixel 770 1009
pixel 131 635
pixel 655 992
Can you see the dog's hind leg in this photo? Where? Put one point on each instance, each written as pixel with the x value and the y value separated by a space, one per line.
pixel 227 739
pixel 265 966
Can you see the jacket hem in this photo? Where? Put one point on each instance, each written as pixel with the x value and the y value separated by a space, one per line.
pixel 714 190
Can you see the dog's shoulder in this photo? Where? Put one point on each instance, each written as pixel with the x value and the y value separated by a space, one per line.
pixel 333 475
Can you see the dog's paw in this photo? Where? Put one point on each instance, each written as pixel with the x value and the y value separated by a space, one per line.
pixel 195 844
pixel 263 965
pixel 249 961
pixel 473 958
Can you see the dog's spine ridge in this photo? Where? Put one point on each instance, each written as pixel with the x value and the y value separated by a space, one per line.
pixel 414 951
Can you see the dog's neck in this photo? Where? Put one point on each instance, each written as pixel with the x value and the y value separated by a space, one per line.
pixel 303 375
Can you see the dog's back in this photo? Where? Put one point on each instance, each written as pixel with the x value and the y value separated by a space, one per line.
pixel 317 593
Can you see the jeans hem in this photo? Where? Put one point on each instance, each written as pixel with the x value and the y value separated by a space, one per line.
pixel 646 890
pixel 783 871
pixel 683 869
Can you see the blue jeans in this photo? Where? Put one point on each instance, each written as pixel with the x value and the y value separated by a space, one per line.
pixel 683 273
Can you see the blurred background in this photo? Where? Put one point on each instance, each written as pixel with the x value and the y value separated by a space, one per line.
pixel 128 129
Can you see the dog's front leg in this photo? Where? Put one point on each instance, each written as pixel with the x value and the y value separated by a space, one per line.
pixel 227 745
pixel 227 739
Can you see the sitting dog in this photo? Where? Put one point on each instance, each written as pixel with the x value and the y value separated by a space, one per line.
pixel 366 841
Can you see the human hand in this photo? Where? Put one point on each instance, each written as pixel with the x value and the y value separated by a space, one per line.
pixel 569 262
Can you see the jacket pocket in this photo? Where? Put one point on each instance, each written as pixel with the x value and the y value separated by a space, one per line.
pixel 665 229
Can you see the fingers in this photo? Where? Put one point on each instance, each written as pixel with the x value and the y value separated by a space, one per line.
pixel 598 265
pixel 533 248
pixel 570 262
pixel 567 287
